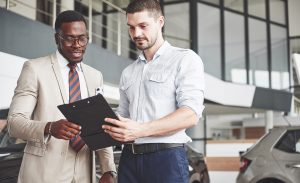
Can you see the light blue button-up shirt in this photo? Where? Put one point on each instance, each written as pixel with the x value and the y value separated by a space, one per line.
pixel 154 89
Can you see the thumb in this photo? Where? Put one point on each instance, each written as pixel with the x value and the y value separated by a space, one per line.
pixel 120 117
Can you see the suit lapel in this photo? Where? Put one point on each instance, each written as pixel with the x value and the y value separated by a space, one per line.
pixel 88 79
pixel 56 70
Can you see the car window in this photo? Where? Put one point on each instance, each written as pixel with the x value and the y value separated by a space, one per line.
pixel 290 142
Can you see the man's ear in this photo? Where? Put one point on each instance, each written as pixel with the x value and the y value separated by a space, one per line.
pixel 161 20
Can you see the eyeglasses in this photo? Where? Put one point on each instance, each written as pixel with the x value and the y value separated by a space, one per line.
pixel 69 40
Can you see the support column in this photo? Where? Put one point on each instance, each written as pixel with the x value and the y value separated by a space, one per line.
pixel 243 133
pixel 269 122
pixel 7 4
pixel 198 135
pixel 90 21
pixel 54 10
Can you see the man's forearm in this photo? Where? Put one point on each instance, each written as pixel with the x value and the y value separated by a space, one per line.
pixel 182 118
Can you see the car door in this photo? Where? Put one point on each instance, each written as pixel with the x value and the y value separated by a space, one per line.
pixel 287 154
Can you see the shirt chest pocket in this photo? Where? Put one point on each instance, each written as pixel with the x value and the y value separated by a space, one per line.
pixel 160 85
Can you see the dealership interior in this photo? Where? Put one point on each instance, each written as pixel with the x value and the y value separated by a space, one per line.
pixel 250 50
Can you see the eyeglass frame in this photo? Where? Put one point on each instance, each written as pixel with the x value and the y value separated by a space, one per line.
pixel 73 39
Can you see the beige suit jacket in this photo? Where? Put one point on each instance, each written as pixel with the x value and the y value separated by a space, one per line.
pixel 39 90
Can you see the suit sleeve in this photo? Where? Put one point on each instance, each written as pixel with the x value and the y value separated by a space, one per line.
pixel 22 106
pixel 106 160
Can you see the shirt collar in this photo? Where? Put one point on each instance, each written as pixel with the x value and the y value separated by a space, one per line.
pixel 63 62
pixel 158 53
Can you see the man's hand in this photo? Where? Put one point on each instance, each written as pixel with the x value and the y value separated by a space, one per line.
pixel 124 130
pixel 63 129
pixel 107 178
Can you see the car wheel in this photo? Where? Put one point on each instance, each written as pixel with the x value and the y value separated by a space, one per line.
pixel 205 177
pixel 270 181
pixel 199 178
pixel 195 178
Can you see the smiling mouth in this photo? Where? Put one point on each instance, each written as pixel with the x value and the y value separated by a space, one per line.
pixel 77 54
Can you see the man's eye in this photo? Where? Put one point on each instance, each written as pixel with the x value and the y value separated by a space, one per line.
pixel 69 38
pixel 82 38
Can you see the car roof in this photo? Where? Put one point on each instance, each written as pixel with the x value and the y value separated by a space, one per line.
pixel 269 140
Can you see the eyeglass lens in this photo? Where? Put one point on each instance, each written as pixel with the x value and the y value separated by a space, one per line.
pixel 69 41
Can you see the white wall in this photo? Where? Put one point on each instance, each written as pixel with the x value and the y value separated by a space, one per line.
pixel 10 68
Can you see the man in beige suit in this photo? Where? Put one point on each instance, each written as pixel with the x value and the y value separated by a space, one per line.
pixel 50 154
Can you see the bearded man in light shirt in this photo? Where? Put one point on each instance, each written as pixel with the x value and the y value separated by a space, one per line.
pixel 161 95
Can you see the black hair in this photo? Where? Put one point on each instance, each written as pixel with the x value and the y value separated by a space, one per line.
pixel 68 16
pixel 153 6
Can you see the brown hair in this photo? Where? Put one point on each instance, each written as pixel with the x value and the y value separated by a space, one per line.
pixel 152 6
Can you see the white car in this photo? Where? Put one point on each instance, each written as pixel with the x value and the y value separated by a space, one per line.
pixel 275 158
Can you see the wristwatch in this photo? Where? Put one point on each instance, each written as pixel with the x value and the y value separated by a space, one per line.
pixel 112 173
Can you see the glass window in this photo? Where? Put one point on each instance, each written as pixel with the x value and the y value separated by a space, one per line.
pixel 234 4
pixel 277 11
pixel 212 1
pixel 209 39
pixel 258 73
pixel 289 142
pixel 257 8
pixel 280 71
pixel 295 45
pixel 235 70
pixel 177 26
pixel 122 4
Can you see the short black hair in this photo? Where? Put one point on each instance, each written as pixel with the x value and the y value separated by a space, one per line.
pixel 68 16
pixel 153 6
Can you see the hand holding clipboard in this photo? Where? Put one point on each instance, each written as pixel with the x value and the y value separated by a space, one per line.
pixel 90 113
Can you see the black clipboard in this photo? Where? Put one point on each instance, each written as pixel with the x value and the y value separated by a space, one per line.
pixel 89 113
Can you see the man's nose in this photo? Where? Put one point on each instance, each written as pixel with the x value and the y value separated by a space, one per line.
pixel 76 43
pixel 137 32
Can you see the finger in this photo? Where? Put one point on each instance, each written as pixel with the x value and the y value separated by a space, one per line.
pixel 115 122
pixel 67 132
pixel 70 135
pixel 72 130
pixel 73 125
pixel 113 129
pixel 115 136
pixel 121 118
pixel 121 139
pixel 64 137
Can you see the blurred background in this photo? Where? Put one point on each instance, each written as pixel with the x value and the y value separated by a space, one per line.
pixel 250 50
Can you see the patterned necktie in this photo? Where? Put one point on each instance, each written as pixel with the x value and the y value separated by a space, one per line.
pixel 74 94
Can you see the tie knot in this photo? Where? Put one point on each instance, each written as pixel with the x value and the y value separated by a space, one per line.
pixel 72 66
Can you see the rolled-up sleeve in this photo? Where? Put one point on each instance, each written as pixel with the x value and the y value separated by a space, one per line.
pixel 123 108
pixel 190 83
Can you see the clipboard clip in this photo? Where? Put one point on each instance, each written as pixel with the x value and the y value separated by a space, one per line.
pixel 99 91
